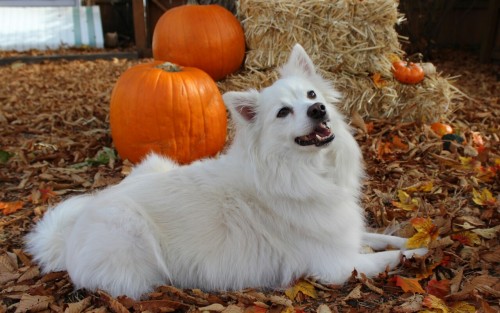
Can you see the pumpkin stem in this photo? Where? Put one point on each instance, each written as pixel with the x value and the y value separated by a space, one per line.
pixel 192 2
pixel 169 67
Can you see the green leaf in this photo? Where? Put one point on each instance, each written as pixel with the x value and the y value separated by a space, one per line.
pixel 5 156
pixel 103 157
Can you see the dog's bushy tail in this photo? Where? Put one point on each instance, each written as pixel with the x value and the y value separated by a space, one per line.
pixel 46 242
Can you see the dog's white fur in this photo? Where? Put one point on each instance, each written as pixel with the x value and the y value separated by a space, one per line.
pixel 263 214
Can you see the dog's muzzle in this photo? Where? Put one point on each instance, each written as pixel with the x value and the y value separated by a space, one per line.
pixel 322 134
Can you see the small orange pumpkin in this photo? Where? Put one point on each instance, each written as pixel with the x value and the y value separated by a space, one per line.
pixel 171 110
pixel 407 72
pixel 208 37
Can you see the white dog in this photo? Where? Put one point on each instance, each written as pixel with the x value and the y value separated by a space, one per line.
pixel 282 203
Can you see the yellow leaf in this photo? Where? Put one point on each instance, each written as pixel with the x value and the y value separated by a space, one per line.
pixel 483 198
pixel 378 81
pixel 393 57
pixel 463 307
pixel 421 187
pixel 409 284
pixel 488 233
pixel 405 202
pixel 303 287
pixel 434 302
pixel 426 233
pixel 467 238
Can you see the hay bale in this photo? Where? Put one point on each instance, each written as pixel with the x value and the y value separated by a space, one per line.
pixel 348 40
pixel 429 101
pixel 348 35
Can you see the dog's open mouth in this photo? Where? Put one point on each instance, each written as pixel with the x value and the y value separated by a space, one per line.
pixel 320 136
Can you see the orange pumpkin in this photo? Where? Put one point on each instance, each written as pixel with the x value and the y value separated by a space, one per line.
pixel 207 37
pixel 407 72
pixel 174 111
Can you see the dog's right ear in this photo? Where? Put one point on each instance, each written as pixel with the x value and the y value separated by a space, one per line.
pixel 242 105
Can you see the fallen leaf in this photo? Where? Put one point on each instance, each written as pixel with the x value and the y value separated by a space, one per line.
pixel 483 198
pixel 467 238
pixel 31 303
pixel 233 309
pixel 438 288
pixel 421 187
pixel 11 207
pixel 303 287
pixel 78 307
pixel 426 233
pixel 113 304
pixel 411 304
pixel 434 302
pixel 441 129
pixel 487 233
pixel 216 307
pixel 398 143
pixel 463 307
pixel 5 156
pixel 323 308
pixel 409 284
pixel 405 202
pixel 355 293
pixel 378 81
pixel 357 121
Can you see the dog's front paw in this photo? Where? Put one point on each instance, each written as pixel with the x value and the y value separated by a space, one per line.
pixel 415 252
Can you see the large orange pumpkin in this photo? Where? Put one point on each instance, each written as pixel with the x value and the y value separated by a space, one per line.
pixel 174 111
pixel 207 37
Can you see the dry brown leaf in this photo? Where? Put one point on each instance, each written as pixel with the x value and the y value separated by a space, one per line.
pixel 159 306
pixel 413 304
pixel 31 303
pixel 31 273
pixel 216 307
pixel 355 293
pixel 78 307
pixel 323 308
pixel 7 264
pixel 112 303
pixel 484 283
pixel 233 309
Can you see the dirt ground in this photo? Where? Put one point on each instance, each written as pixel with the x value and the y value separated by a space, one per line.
pixel 55 142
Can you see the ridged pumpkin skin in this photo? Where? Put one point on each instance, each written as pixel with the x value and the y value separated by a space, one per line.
pixel 207 37
pixel 177 114
pixel 408 72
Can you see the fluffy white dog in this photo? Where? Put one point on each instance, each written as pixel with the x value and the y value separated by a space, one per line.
pixel 282 203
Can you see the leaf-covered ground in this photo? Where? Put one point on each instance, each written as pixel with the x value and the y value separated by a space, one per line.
pixel 55 142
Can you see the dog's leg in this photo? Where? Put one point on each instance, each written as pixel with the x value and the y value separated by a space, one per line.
pixel 380 241
pixel 372 264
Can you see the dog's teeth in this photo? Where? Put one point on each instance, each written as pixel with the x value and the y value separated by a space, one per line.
pixel 318 137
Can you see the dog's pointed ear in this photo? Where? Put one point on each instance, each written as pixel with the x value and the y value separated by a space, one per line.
pixel 299 63
pixel 242 104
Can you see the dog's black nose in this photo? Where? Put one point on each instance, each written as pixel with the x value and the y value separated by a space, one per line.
pixel 316 111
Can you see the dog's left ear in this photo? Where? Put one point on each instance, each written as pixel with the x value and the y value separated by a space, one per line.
pixel 299 63
pixel 242 105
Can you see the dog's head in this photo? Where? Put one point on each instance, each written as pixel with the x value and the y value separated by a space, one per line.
pixel 295 112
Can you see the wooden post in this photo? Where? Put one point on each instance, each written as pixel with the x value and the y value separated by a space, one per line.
pixel 140 31
pixel 491 27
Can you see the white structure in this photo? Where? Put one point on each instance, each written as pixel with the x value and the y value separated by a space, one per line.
pixel 48 24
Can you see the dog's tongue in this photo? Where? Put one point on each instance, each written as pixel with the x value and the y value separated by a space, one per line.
pixel 323 130
pixel 320 136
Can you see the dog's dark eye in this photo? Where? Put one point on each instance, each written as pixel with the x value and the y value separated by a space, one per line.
pixel 311 94
pixel 284 112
